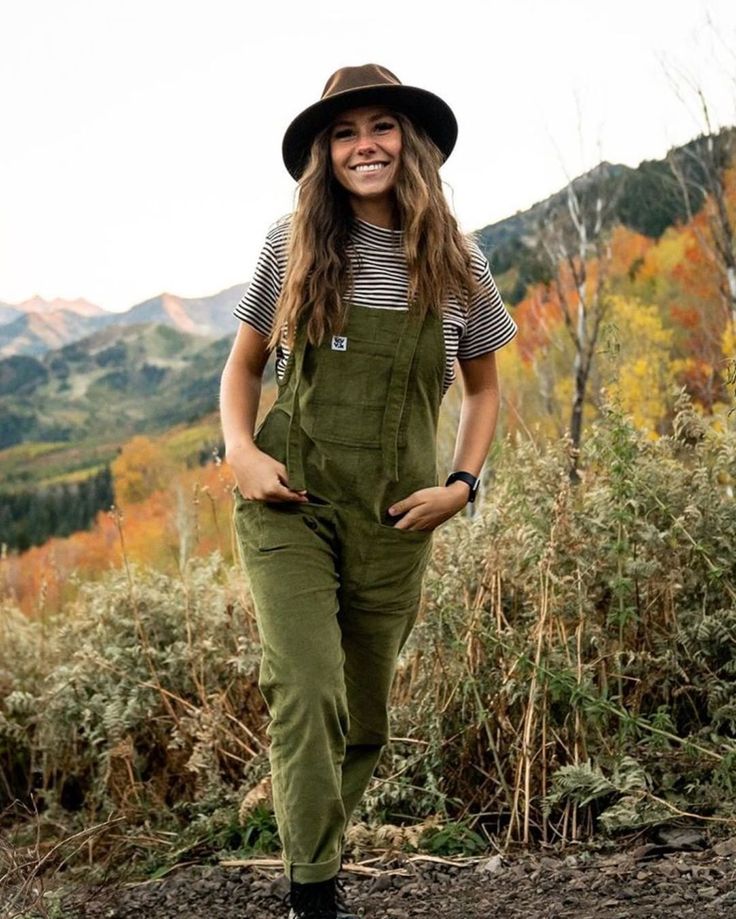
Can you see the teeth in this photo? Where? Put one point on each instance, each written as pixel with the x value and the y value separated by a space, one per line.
pixel 370 167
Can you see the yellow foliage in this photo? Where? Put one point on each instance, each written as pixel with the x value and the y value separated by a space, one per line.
pixel 640 374
pixel 729 342
pixel 668 254
pixel 528 391
pixel 142 468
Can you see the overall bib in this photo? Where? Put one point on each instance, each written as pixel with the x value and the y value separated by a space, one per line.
pixel 336 588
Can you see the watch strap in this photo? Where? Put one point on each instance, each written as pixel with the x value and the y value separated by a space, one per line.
pixel 472 481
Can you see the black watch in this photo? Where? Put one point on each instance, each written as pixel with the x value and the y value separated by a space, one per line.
pixel 466 477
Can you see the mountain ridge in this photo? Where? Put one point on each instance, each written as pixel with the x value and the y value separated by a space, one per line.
pixel 33 332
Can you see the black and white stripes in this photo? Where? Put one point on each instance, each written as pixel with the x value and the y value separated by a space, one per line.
pixel 380 280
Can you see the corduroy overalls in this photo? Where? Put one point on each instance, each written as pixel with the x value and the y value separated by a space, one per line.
pixel 336 588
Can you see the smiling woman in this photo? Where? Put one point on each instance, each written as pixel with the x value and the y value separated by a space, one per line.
pixel 365 148
pixel 367 292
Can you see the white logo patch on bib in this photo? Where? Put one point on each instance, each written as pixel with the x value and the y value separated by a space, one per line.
pixel 339 343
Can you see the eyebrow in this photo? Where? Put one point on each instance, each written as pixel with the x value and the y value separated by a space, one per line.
pixel 345 121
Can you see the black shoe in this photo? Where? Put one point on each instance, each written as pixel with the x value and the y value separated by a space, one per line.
pixel 313 901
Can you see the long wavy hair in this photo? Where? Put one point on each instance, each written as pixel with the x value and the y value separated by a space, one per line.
pixel 318 280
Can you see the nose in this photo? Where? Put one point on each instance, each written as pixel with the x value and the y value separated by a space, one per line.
pixel 364 142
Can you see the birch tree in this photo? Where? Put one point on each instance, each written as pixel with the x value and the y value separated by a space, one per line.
pixel 574 239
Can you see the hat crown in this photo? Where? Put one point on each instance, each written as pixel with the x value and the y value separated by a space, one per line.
pixel 347 79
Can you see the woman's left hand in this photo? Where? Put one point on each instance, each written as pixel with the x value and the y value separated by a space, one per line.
pixel 429 507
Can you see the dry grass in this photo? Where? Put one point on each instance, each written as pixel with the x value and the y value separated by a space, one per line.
pixel 573 672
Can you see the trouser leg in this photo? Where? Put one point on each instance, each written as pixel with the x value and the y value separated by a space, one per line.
pixel 291 568
pixel 381 586
pixel 371 640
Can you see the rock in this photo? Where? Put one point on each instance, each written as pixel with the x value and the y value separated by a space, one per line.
pixel 491 865
pixel 381 882
pixel 682 838
pixel 726 847
pixel 708 892
pixel 648 850
pixel 668 869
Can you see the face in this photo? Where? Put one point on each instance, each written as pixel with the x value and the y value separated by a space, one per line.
pixel 365 147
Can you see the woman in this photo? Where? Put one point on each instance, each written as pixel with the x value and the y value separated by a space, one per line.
pixel 368 293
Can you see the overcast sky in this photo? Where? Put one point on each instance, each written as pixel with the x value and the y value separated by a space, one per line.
pixel 141 140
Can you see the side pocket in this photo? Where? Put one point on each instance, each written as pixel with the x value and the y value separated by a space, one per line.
pixel 247 519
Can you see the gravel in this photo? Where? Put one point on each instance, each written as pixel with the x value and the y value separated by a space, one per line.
pixel 648 882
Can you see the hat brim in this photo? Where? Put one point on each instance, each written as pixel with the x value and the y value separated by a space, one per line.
pixel 422 106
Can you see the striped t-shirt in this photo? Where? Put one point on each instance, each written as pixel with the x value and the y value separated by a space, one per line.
pixel 380 280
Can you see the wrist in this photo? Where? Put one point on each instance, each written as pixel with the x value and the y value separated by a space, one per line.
pixel 460 493
pixel 466 480
pixel 239 447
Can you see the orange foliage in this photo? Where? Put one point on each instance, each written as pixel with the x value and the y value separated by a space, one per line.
pixel 628 251
pixel 695 272
pixel 538 317
pixel 142 468
pixel 190 516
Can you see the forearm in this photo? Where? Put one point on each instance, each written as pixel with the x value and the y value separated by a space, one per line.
pixel 240 394
pixel 476 428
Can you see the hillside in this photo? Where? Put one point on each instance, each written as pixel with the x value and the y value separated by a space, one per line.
pixel 646 199
pixel 116 382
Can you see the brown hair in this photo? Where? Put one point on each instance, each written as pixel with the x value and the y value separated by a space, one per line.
pixel 318 268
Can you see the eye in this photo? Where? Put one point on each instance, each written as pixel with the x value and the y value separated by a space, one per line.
pixel 384 126
pixel 341 133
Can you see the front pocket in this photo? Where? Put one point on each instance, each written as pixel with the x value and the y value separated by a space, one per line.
pixel 395 562
pixel 419 535
pixel 345 392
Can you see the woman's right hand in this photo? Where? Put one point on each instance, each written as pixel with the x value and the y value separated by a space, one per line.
pixel 260 477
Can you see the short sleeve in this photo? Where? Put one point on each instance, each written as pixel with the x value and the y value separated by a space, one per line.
pixel 489 324
pixel 257 306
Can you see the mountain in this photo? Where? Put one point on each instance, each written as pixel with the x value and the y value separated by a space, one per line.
pixel 646 199
pixel 211 316
pixel 34 333
pixel 36 326
pixel 117 382
pixel 79 307
pixel 8 313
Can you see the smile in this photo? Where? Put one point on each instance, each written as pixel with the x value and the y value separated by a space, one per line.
pixel 369 167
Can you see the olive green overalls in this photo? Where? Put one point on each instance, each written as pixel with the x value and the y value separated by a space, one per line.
pixel 336 587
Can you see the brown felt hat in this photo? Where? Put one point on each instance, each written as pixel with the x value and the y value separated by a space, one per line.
pixel 368 84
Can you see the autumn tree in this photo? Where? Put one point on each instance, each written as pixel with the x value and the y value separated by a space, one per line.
pixel 706 168
pixel 575 242
pixel 705 171
pixel 142 467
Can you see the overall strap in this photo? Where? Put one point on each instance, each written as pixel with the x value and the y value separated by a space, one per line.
pixel 397 392
pixel 294 455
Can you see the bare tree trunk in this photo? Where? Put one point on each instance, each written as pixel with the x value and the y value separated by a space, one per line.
pixel 569 243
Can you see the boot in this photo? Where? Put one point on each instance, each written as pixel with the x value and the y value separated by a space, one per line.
pixel 313 901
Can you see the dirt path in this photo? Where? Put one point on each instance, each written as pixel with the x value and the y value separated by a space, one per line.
pixel 646 883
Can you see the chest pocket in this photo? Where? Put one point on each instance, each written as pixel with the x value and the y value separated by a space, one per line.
pixel 345 393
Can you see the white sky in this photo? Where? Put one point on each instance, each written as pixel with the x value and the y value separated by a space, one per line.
pixel 140 144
